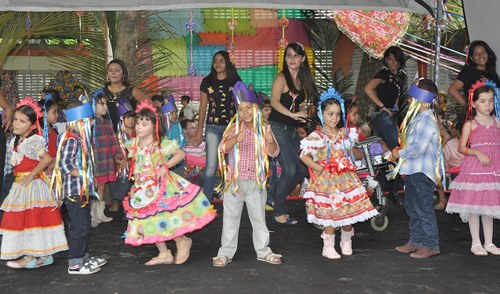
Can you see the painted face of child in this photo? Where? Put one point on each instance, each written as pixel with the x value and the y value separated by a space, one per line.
pixel 22 125
pixel 245 111
pixel 52 115
pixel 101 107
pixel 144 127
pixel 331 116
pixel 129 122
pixel 266 111
pixel 353 116
pixel 115 73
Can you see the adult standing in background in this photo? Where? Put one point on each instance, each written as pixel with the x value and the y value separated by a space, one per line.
pixel 117 87
pixel 480 64
pixel 385 91
pixel 216 93
pixel 289 91
pixel 6 123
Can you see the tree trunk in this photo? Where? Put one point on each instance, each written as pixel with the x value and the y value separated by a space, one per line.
pixel 369 67
pixel 127 35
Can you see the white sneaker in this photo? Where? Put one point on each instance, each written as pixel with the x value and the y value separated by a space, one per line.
pixel 97 261
pixel 86 269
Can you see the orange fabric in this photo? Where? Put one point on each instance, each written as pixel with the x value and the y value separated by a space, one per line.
pixel 213 38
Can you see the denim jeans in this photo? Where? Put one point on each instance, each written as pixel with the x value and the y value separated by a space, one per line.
pixel 386 128
pixel 419 202
pixel 213 136
pixel 293 171
pixel 79 231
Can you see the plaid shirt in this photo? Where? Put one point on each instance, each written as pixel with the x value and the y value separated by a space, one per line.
pixel 68 162
pixel 247 169
pixel 422 146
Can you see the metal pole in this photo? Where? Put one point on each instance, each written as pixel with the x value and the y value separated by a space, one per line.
pixel 439 20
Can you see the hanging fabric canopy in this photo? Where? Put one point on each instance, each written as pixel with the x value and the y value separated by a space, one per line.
pixel 119 5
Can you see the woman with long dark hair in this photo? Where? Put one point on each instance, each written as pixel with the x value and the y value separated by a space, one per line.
pixel 216 93
pixel 385 90
pixel 291 87
pixel 480 64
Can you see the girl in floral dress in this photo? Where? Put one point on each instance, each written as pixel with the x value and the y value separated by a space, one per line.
pixel 335 197
pixel 161 205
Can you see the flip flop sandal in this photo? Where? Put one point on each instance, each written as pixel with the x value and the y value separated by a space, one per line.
pixel 271 258
pixel 225 261
pixel 289 222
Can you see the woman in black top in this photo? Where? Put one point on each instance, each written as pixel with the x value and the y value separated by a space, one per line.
pixel 481 64
pixel 385 90
pixel 118 87
pixel 216 93
pixel 289 92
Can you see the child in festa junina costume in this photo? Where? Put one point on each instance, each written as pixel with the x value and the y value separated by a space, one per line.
pixel 31 226
pixel 73 178
pixel 125 131
pixel 161 205
pixel 475 191
pixel 335 197
pixel 109 158
pixel 248 142
pixel 420 159
pixel 174 131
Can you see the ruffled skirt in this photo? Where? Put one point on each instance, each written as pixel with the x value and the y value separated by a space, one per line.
pixel 162 211
pixel 32 223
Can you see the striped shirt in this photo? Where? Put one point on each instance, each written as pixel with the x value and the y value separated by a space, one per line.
pixel 422 146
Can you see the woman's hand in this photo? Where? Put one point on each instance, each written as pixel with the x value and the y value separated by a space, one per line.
pixel 387 110
pixel 301 116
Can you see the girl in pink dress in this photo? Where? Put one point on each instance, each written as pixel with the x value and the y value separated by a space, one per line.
pixel 476 190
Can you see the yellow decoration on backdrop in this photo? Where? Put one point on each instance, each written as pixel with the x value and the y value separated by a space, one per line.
pixel 180 63
pixel 216 20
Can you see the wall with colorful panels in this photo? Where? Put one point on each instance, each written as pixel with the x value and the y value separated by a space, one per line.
pixel 256 35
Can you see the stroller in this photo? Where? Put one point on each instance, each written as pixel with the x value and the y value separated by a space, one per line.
pixel 374 171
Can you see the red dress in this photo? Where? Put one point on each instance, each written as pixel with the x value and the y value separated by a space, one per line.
pixel 32 223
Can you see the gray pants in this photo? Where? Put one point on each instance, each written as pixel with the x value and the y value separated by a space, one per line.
pixel 255 200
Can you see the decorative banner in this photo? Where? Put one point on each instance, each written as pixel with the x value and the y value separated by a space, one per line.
pixel 372 31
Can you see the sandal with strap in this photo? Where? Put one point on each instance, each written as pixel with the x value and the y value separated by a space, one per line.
pixel 478 250
pixel 492 249
pixel 221 261
pixel 160 260
pixel 30 263
pixel 182 255
pixel 289 221
pixel 45 260
pixel 271 258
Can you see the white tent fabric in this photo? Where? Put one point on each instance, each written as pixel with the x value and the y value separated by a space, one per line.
pixel 119 5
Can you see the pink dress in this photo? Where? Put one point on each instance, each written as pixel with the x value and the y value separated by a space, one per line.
pixel 476 189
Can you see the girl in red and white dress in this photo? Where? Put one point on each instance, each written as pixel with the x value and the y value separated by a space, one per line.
pixel 32 226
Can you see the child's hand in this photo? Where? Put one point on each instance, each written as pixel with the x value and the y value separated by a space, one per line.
pixel 161 172
pixel 395 154
pixel 240 137
pixel 269 135
pixel 123 163
pixel 26 180
pixel 483 158
pixel 75 173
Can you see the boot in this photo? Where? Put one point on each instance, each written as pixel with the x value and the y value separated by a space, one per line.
pixel 329 246
pixel 94 220
pixel 346 242
pixel 100 212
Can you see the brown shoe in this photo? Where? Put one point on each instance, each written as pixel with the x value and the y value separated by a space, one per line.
pixel 424 252
pixel 407 248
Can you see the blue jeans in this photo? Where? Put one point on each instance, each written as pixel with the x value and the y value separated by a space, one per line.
pixel 386 128
pixel 79 231
pixel 293 171
pixel 419 202
pixel 213 136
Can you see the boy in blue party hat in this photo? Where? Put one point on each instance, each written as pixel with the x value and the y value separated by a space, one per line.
pixel 248 143
pixel 419 159
pixel 73 177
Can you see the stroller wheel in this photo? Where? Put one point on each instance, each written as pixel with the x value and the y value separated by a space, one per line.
pixel 380 222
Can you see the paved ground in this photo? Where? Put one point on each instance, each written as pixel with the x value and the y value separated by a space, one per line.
pixel 375 266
